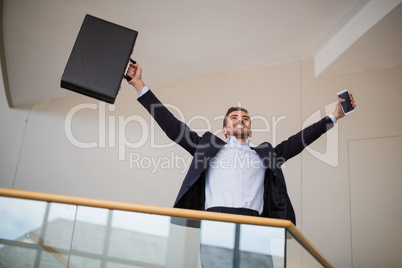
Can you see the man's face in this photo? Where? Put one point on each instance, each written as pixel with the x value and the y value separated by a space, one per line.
pixel 238 125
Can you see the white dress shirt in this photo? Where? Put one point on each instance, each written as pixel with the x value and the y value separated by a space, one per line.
pixel 235 178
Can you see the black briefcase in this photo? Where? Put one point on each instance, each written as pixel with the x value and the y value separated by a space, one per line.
pixel 99 59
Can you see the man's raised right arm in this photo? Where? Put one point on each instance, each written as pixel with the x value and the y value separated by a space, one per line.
pixel 176 130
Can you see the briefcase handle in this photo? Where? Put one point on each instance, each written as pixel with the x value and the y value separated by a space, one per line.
pixel 128 78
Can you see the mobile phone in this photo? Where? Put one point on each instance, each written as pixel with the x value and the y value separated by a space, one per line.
pixel 346 105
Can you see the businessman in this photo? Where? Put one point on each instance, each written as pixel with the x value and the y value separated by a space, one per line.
pixel 230 176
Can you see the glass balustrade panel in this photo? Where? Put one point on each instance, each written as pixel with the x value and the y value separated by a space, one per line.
pixel 297 255
pixel 42 234
pixel 29 236
pixel 217 244
pixel 225 244
pixel 113 238
pixel 262 246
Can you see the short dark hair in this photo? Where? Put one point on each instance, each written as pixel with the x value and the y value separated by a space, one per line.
pixel 230 110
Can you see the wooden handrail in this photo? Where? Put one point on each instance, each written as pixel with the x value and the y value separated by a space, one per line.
pixel 173 212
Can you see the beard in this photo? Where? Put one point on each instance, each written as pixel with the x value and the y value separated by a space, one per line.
pixel 241 133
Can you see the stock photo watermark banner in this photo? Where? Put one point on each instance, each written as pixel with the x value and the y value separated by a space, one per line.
pixel 112 133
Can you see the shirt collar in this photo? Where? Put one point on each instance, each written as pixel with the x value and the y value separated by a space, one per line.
pixel 232 141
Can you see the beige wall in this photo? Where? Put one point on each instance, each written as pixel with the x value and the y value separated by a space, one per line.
pixel 11 138
pixel 328 201
pixel 37 154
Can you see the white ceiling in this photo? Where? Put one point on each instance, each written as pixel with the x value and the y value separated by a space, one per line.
pixel 188 38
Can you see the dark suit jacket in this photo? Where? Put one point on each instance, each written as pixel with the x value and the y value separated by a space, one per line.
pixel 192 192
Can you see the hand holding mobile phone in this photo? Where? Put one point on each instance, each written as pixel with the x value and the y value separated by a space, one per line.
pixel 346 105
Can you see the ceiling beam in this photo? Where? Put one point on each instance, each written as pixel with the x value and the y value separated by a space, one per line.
pixel 363 21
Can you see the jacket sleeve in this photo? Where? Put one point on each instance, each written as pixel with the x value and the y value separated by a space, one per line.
pixel 176 130
pixel 296 143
